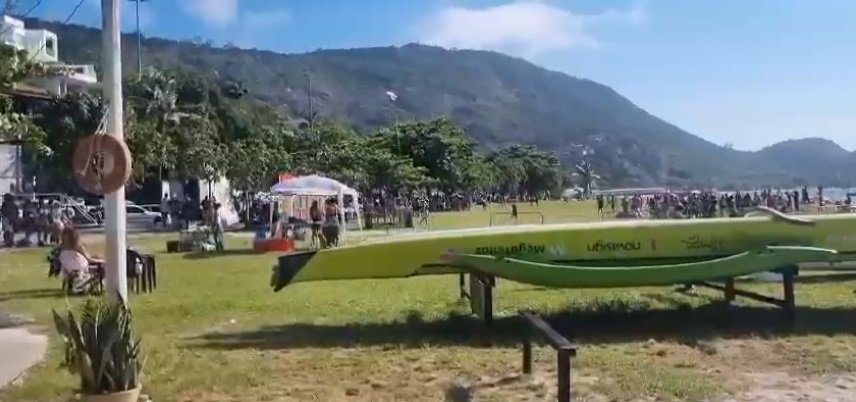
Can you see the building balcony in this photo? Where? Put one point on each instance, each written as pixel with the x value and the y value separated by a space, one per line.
pixel 80 74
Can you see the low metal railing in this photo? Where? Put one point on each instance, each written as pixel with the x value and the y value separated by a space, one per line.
pixel 565 351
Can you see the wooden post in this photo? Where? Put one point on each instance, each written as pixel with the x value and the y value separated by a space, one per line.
pixel 487 299
pixel 527 354
pixel 730 294
pixel 788 289
pixel 563 371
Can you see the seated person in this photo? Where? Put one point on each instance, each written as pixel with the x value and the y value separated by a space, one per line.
pixel 75 261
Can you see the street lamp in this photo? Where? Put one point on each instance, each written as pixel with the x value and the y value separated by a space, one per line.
pixel 139 37
pixel 392 98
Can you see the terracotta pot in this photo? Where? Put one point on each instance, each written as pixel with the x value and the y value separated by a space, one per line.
pixel 130 395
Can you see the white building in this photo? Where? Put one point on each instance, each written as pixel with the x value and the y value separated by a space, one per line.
pixel 41 46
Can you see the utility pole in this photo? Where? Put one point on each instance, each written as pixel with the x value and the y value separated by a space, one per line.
pixel 309 98
pixel 139 37
pixel 114 203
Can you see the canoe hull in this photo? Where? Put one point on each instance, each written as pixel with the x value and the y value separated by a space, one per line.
pixel 573 276
pixel 617 243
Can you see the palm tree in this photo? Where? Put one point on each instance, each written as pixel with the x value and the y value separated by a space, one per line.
pixel 585 172
pixel 157 93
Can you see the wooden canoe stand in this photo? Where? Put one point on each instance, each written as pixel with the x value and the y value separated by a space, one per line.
pixel 479 291
pixel 787 302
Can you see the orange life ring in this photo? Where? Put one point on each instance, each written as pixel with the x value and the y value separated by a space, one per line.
pixel 101 164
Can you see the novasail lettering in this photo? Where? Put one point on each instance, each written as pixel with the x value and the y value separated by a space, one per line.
pixel 601 246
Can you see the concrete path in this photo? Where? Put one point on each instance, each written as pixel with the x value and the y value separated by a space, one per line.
pixel 19 350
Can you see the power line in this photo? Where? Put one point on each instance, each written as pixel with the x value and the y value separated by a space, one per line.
pixel 74 11
pixel 24 15
pixel 67 19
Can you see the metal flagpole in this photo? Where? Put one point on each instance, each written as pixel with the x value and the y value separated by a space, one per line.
pixel 114 203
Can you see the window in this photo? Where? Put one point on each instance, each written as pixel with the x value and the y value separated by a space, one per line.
pixel 49 47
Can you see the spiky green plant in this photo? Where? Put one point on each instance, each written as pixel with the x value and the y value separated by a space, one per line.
pixel 100 348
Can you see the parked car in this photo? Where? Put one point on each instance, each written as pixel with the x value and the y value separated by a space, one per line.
pixel 135 216
pixel 138 216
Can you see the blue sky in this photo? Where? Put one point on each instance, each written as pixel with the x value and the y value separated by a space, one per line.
pixel 744 72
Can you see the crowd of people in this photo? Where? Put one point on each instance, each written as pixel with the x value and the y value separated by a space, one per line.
pixel 33 221
pixel 41 221
pixel 704 204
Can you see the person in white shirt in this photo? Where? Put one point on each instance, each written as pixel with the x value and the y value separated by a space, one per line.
pixel 166 216
pixel 57 221
pixel 218 226
pixel 75 260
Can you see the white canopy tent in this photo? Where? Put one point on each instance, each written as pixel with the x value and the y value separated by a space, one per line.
pixel 318 186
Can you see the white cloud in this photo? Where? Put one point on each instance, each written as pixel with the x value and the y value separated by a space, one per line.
pixel 255 27
pixel 222 13
pixel 266 19
pixel 526 28
pixel 218 13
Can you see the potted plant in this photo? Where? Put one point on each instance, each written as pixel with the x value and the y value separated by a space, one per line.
pixel 100 348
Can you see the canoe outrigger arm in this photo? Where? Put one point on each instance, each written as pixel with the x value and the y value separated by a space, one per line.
pixel 780 216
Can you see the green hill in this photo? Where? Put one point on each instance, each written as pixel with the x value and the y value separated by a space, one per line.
pixel 498 99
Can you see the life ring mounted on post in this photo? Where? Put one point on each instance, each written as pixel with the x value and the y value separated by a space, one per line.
pixel 101 163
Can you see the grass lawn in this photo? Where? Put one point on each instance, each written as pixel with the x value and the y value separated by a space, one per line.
pixel 214 331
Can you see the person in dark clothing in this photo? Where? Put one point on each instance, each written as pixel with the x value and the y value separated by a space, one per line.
pixel 330 229
pixel 189 212
pixel 8 219
pixel 316 217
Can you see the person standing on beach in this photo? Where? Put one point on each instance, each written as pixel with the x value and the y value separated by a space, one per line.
pixel 796 201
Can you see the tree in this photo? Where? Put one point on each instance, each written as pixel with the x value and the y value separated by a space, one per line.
pixel 64 120
pixel 14 126
pixel 185 123
pixel 441 148
pixel 250 166
pixel 253 161
pixel 153 100
pixel 384 170
pixel 509 171
pixel 202 156
pixel 584 171
pixel 525 168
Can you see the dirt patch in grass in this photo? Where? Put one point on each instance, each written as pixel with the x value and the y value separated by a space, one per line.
pixel 772 386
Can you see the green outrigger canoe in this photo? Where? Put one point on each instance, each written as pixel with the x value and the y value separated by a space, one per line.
pixel 602 254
